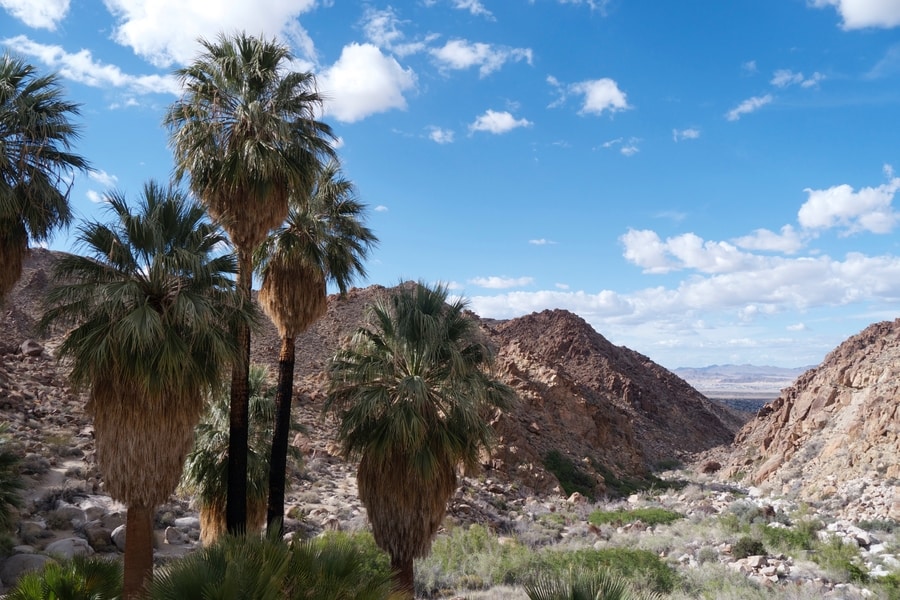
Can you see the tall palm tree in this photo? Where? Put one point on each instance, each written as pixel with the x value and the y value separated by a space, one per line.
pixel 324 239
pixel 411 394
pixel 152 307
pixel 245 134
pixel 205 474
pixel 36 164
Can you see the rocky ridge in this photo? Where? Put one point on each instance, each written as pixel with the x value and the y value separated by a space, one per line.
pixel 832 436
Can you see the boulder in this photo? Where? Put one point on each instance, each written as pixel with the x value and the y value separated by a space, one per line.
pixel 18 564
pixel 69 547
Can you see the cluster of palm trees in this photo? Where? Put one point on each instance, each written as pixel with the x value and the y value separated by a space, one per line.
pixel 157 312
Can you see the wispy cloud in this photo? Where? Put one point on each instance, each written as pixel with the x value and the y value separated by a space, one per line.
pixel 541 242
pixel 81 67
pixel 786 77
pixel 685 134
pixel 500 283
pixel 473 6
pixel 439 135
pixel 748 106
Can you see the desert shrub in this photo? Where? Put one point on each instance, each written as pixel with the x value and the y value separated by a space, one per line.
pixel 747 546
pixel 81 578
pixel 648 516
pixel 11 483
pixel 885 525
pixel 840 559
pixel 578 584
pixel 801 536
pixel 570 476
pixel 741 516
pixel 888 586
pixel 256 568
pixel 642 568
pixel 469 558
pixel 339 566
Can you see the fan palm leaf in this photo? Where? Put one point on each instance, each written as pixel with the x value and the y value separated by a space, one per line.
pixel 36 162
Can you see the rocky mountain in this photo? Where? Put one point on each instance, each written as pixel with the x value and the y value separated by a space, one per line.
pixel 833 435
pixel 610 410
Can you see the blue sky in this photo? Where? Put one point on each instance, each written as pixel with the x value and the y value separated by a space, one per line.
pixel 703 181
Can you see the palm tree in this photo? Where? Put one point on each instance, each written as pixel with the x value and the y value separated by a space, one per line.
pixel 411 394
pixel 245 134
pixel 36 164
pixel 323 239
pixel 152 307
pixel 205 474
pixel 78 578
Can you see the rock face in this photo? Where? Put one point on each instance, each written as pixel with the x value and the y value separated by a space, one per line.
pixel 612 410
pixel 837 426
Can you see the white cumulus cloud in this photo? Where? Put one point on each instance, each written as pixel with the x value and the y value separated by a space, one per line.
pixel 461 54
pixel 364 82
pixel 859 14
pixel 868 209
pixel 165 32
pixel 498 122
pixel 40 14
pixel 788 241
pixel 600 95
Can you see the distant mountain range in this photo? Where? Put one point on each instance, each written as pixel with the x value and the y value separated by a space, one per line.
pixel 740 381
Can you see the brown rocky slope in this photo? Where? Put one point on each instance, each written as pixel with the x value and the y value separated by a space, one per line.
pixel 835 433
pixel 612 411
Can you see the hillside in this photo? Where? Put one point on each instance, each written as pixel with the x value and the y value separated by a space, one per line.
pixel 833 435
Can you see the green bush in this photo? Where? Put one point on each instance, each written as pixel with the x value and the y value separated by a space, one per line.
pixel 81 578
pixel 469 558
pixel 11 482
pixel 255 568
pixel 840 559
pixel 641 567
pixel 581 584
pixel 802 536
pixel 570 476
pixel 889 586
pixel 885 525
pixel 747 546
pixel 649 516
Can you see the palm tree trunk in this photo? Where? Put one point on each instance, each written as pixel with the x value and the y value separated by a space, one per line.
pixel 404 580
pixel 236 503
pixel 278 460
pixel 138 550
